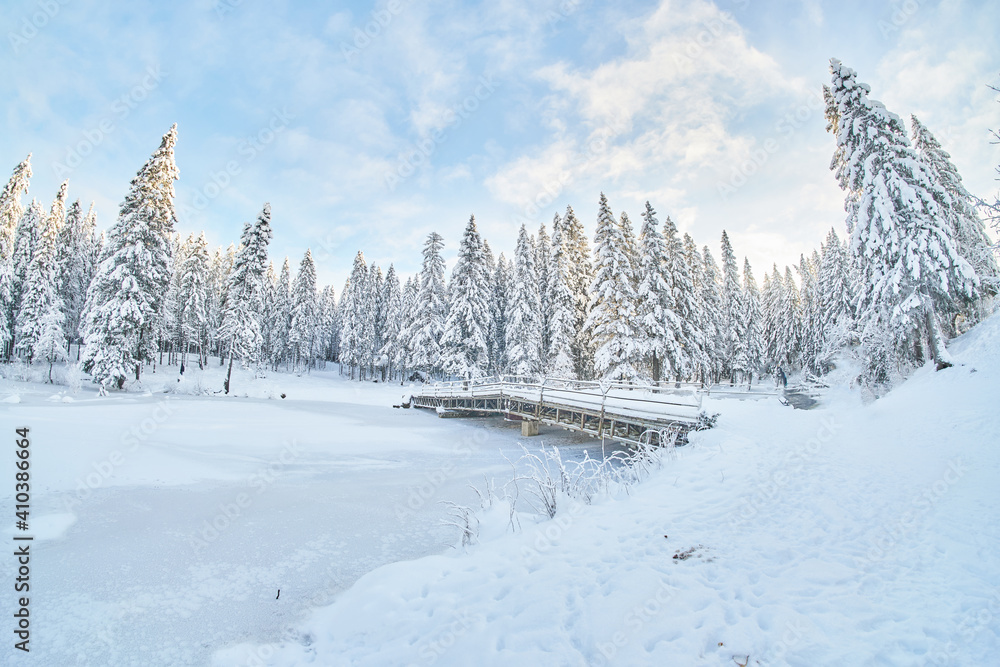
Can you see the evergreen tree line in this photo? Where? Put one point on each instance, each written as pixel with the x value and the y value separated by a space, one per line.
pixel 916 268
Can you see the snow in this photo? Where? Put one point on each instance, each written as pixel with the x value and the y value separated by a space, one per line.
pixel 850 534
pixel 167 518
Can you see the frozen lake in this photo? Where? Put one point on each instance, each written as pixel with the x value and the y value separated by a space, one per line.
pixel 173 521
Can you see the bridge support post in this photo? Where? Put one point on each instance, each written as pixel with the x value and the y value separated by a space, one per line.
pixel 529 428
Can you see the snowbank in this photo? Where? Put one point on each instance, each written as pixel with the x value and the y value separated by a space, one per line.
pixel 846 535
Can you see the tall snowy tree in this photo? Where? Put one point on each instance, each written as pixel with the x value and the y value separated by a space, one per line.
pixel 464 350
pixel 836 300
pixel 281 316
pixel 128 290
pixel 559 362
pixel 613 316
pixel 376 310
pixel 502 287
pixel 909 266
pixel 659 325
pixel 968 229
pixel 192 297
pixel 40 319
pixel 241 327
pixel 432 309
pixel 809 332
pixel 26 238
pixel 305 312
pixel 524 324
pixel 733 326
pixel 392 302
pixel 353 312
pixel 711 316
pixel 11 211
pixel 580 278
pixel 77 261
pixel 753 323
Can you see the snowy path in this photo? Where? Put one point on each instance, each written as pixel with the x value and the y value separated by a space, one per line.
pixel 305 495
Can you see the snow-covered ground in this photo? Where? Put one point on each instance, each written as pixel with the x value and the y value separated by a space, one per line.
pixel 166 523
pixel 846 535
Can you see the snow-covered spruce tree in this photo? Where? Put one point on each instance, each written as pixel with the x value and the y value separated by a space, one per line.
pixel 281 316
pixel 464 350
pixel 241 329
pixel 836 300
pixel 392 302
pixel 792 323
pixel 432 309
pixel 326 338
pixel 502 287
pixel 404 352
pixel 559 362
pixel 26 235
pixel 754 324
pixel 266 320
pixel 11 211
pixel 659 325
pixel 377 319
pixel 353 311
pixel 686 278
pixel 733 327
pixel 581 277
pixel 771 301
pixel 524 324
pixel 40 319
pixel 613 316
pixel 543 253
pixel 908 263
pixel 809 336
pixel 711 316
pixel 127 292
pixel 305 312
pixel 77 261
pixel 192 298
pixel 968 229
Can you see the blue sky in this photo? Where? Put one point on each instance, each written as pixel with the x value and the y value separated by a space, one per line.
pixel 509 109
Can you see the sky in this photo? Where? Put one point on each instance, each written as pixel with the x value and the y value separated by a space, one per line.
pixel 368 125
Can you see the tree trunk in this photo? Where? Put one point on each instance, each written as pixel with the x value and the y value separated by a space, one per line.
pixel 229 373
pixel 936 338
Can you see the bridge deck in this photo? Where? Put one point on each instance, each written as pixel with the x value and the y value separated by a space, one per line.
pixel 628 413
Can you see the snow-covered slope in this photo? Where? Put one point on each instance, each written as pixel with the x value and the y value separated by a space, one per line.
pixel 847 535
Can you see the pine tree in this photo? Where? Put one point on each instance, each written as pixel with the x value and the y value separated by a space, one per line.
pixel 524 325
pixel 11 211
pixel 464 349
pixel 559 362
pixel 26 239
pixel 241 327
pixel 686 275
pixel 281 316
pixel 909 266
pixel 376 309
pixel 404 351
pixel 711 316
pixel 581 276
pixel 792 324
pixel 432 309
pixel 753 323
pixel 392 300
pixel 733 329
pixel 543 252
pixel 353 313
pixel 502 288
pixel 127 293
pixel 305 312
pixel 967 227
pixel 77 261
pixel 40 319
pixel 659 325
pixel 836 309
pixel 192 297
pixel 613 315
pixel 809 336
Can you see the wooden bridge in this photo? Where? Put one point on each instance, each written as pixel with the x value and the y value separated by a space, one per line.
pixel 625 412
